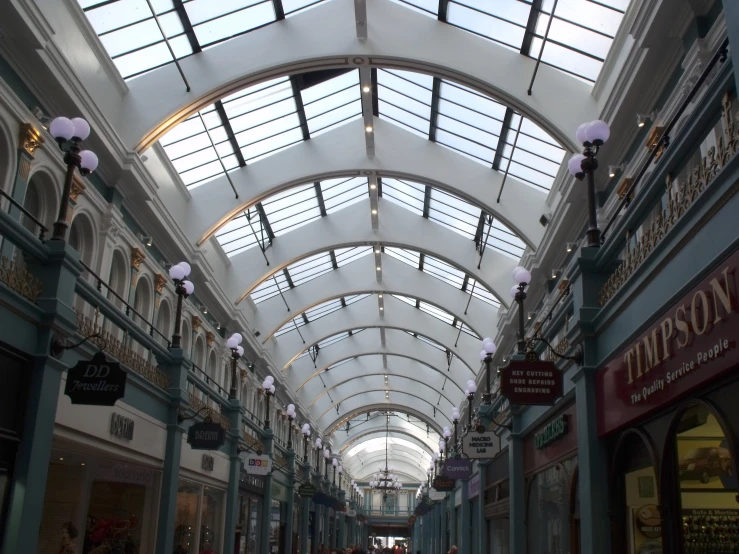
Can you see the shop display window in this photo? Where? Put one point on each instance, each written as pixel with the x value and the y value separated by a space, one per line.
pixel 499 531
pixel 251 516
pixel 114 518
pixel 211 520
pixel 275 535
pixel 642 516
pixel 199 521
pixel 709 514
pixel 549 510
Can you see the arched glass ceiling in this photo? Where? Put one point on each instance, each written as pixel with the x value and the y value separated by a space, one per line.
pixel 579 39
pixel 133 39
pixel 377 444
pixel 332 306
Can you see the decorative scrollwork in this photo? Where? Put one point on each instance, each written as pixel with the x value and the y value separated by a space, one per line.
pixel 17 278
pixel 199 405
pixel 679 199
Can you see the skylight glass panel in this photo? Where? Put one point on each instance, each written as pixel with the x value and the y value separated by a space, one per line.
pixel 438 313
pixel 218 21
pixel 480 292
pixel 498 236
pixel 242 232
pixel 310 268
pixel 427 341
pixel 291 7
pixel 404 193
pixel 292 208
pixel 346 256
pixel 332 103
pixel 502 21
pixel 270 287
pixel 536 158
pixel 408 257
pixel 426 7
pixel 343 192
pixel 454 213
pixel 465 329
pixel 404 98
pixel 317 312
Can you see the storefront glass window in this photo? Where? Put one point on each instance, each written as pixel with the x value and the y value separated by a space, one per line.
pixel 211 521
pixel 549 510
pixel 253 523
pixel 114 519
pixel 642 517
pixel 708 485
pixel 275 544
pixel 499 529
pixel 186 521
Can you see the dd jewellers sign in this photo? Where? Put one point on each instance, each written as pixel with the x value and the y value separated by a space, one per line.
pixel 692 343
pixel 96 383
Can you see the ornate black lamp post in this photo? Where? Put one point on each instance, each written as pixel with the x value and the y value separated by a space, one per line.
pixel 318 444
pixel 184 288
pixel 470 392
pixel 72 131
pixel 290 413
pixel 486 355
pixel 233 343
pixel 592 136
pixel 522 277
pixel 269 390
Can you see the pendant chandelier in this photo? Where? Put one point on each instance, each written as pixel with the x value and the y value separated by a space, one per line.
pixel 385 481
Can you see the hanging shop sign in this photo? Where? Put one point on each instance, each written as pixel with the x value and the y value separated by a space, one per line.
pixel 473 487
pixel 457 468
pixel 443 484
pixel 121 427
pixel 206 436
pixel 688 345
pixel 306 489
pixel 208 462
pixel 481 446
pixel 351 513
pixel 435 494
pixel 96 383
pixel 258 465
pixel 531 381
pixel 555 429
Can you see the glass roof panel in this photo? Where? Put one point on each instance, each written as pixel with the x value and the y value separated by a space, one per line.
pixel 404 98
pixel 404 193
pixel 332 102
pixel 343 192
pixel 318 312
pixel 131 36
pixel 426 7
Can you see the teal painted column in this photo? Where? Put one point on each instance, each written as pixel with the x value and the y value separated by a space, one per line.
pixel 517 501
pixel 234 476
pixel 288 547
pixel 58 276
pixel 327 520
pixel 267 439
pixel 440 526
pixel 464 539
pixel 731 12
pixel 317 518
pixel 592 467
pixel 177 371
pixel 341 541
pixel 482 536
pixel 449 505
pixel 304 514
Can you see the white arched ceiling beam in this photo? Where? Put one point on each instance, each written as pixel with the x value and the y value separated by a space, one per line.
pixel 158 100
pixel 396 453
pixel 352 227
pixel 359 277
pixel 341 152
pixel 404 468
pixel 399 423
pixel 365 314
pixel 421 401
pixel 373 366
pixel 393 431
pixel 378 446
pixel 381 407
pixel 369 343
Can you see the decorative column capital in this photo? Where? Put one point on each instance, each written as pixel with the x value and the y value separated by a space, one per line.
pixel 137 256
pixel 29 139
pixel 210 337
pixel 196 323
pixel 78 187
pixel 159 282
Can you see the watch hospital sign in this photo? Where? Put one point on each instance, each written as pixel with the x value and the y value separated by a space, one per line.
pixel 691 343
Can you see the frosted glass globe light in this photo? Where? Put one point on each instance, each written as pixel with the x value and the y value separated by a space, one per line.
pixel 335 463
pixel 514 291
pixel 581 133
pixel 597 132
pixel 238 337
pixel 522 276
pixel 81 128
pixel 291 408
pixel 176 273
pixel 231 343
pixel 488 345
pixel 240 350
pixel 186 267
pixel 61 128
pixel 88 161
pixel 574 164
pixel 272 389
pixel 472 388
pixel 189 287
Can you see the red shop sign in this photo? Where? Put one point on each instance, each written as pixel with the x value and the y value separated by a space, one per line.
pixel 692 343
pixel 531 382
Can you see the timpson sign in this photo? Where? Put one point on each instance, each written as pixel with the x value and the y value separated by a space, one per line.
pixel 691 343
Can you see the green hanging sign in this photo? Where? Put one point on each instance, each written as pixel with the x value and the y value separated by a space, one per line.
pixel 554 430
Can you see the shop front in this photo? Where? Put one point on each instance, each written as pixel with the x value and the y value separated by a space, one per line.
pixel 669 411
pixel 497 492
pixel 278 517
pixel 473 497
pixel 251 507
pixel 14 372
pixel 550 466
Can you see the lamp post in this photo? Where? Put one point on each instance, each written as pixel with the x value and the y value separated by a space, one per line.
pixel 522 277
pixel 455 422
pixel 269 390
pixel 442 447
pixel 290 413
pixel 340 470
pixel 486 355
pixel 335 464
pixel 184 288
pixel 75 130
pixel 470 392
pixel 306 435
pixel 233 343
pixel 592 136
pixel 326 455
pixel 318 444
pixel 447 433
